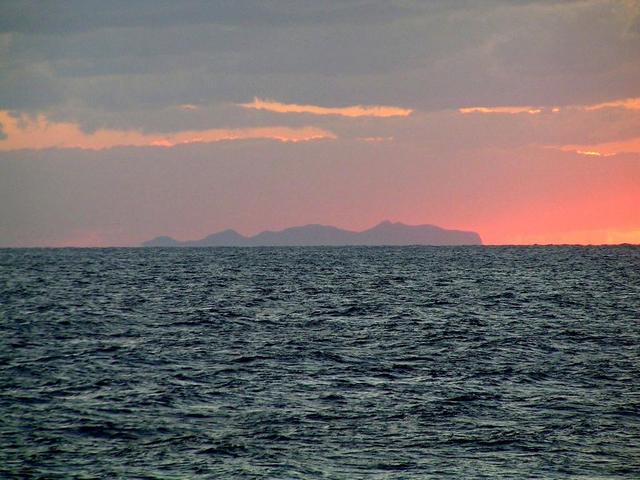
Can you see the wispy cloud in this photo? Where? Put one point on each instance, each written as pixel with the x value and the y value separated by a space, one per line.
pixel 504 109
pixel 40 133
pixel 349 111
pixel 605 149
pixel 592 153
pixel 625 103
pixel 188 106
pixel 375 139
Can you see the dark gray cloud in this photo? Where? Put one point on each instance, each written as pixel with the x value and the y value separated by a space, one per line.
pixel 68 16
pixel 125 60
pixel 62 17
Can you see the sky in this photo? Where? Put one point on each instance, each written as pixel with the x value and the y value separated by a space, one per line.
pixel 121 121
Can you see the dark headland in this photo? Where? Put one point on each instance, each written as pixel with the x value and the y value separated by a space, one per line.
pixel 385 233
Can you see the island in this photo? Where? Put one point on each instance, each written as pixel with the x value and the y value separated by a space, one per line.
pixel 385 233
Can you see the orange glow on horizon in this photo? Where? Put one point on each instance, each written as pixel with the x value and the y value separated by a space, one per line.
pixel 575 237
pixel 350 111
pixel 39 133
pixel 609 216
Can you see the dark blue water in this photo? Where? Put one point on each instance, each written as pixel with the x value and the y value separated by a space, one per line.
pixel 345 363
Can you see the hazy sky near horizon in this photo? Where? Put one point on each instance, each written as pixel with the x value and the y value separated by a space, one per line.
pixel 121 121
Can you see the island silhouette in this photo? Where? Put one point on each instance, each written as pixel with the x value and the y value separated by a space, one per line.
pixel 385 233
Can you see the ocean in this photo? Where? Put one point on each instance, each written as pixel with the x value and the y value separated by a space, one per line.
pixel 320 363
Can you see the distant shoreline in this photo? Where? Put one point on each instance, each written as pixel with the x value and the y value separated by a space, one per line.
pixel 251 247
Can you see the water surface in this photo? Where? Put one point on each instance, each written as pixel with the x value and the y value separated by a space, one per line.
pixel 410 362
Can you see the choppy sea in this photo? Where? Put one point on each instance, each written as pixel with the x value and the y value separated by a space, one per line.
pixel 320 363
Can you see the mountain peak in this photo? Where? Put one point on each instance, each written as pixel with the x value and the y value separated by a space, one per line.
pixel 389 223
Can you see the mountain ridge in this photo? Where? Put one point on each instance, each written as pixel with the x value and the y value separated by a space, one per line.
pixel 382 234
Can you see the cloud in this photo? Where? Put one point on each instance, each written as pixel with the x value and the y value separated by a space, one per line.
pixel 428 55
pixel 350 111
pixel 591 153
pixel 375 139
pixel 39 133
pixel 509 110
pixel 607 131
pixel 83 15
pixel 605 149
pixel 625 103
pixel 188 107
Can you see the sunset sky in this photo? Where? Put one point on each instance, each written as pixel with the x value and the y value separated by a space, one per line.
pixel 121 121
